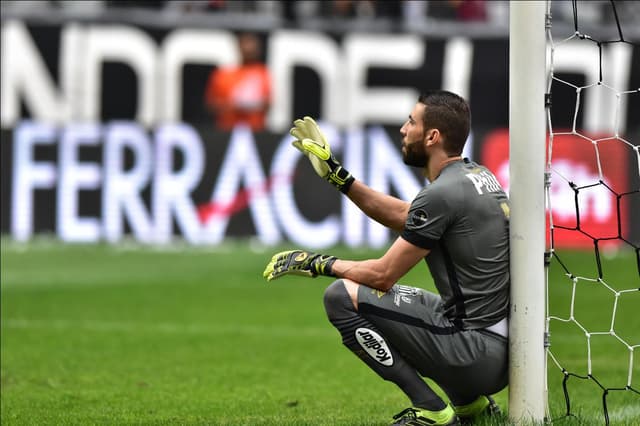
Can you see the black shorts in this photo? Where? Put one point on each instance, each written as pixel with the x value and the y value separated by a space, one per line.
pixel 464 363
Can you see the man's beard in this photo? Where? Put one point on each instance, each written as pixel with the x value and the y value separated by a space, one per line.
pixel 414 154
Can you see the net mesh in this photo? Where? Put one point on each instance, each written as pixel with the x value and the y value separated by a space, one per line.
pixel 592 186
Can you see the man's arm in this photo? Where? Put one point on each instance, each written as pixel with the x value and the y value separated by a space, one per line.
pixel 382 273
pixel 390 211
pixel 385 209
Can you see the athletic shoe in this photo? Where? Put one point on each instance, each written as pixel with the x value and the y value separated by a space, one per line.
pixel 482 407
pixel 421 417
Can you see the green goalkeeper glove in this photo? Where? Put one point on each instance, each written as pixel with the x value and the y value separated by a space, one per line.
pixel 299 262
pixel 312 143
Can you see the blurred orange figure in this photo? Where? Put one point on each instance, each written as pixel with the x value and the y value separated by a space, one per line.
pixel 241 94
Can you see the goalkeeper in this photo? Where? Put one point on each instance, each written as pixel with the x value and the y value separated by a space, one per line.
pixel 459 224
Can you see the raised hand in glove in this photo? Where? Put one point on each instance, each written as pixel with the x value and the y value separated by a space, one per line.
pixel 299 262
pixel 312 143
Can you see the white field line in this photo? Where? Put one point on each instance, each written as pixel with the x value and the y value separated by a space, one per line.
pixel 51 243
pixel 77 284
pixel 193 329
pixel 624 413
pixel 164 328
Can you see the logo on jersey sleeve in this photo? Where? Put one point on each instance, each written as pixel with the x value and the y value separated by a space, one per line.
pixel 375 346
pixel 418 219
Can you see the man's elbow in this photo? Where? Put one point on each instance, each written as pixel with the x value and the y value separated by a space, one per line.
pixel 385 282
pixel 400 220
pixel 386 286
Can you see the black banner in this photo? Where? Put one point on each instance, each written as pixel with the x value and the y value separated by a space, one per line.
pixel 104 131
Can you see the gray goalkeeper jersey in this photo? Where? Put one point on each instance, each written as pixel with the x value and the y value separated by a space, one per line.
pixel 463 218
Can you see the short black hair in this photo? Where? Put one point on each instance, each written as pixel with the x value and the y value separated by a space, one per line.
pixel 449 113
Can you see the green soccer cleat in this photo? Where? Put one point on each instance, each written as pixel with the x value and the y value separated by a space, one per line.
pixel 482 407
pixel 421 417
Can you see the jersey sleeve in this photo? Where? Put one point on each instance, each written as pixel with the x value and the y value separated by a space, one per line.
pixel 428 218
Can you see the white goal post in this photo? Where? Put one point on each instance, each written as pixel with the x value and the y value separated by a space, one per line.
pixel 527 135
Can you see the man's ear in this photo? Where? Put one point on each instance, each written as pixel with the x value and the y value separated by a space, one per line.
pixel 432 136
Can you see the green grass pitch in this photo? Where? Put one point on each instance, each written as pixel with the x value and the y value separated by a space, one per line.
pixel 119 335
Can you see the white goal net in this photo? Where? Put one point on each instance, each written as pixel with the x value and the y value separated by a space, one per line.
pixel 592 194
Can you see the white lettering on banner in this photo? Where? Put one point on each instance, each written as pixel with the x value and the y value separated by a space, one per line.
pixel 353 221
pixel 170 189
pixel 458 60
pixel 296 227
pixel 122 190
pixel 240 183
pixel 72 74
pixel 379 105
pixel 35 86
pixel 73 177
pixel 384 170
pixel 346 100
pixel 190 46
pixel 83 51
pixel 123 44
pixel 29 175
pixel 315 50
pixel 241 165
pixel 171 193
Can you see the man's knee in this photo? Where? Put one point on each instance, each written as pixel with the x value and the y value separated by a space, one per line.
pixel 340 299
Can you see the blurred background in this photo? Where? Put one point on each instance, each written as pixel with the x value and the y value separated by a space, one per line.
pixel 165 119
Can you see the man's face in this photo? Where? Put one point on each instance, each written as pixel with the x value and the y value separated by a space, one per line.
pixel 249 48
pixel 413 133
